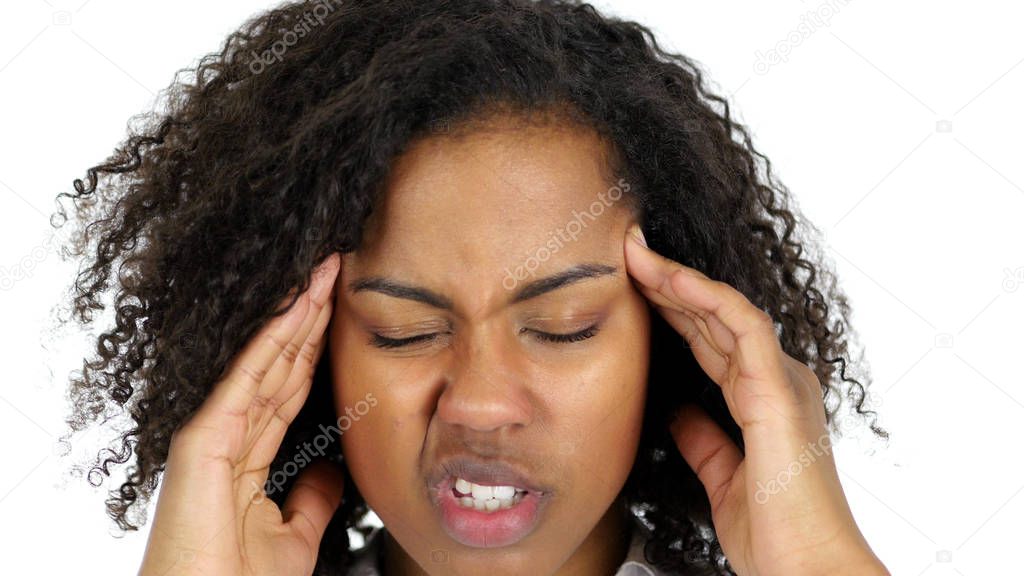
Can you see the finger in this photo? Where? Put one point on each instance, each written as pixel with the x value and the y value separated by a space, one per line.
pixel 300 358
pixel 296 361
pixel 312 502
pixel 296 358
pixel 711 454
pixel 310 354
pixel 739 329
pixel 268 442
pixel 697 335
pixel 234 394
pixel 654 274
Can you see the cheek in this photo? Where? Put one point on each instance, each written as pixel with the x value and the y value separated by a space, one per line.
pixel 603 428
pixel 381 450
pixel 382 447
pixel 607 414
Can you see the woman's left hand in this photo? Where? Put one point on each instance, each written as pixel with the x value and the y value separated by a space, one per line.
pixel 779 508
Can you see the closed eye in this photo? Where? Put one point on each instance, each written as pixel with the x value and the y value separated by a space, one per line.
pixel 386 343
pixel 566 338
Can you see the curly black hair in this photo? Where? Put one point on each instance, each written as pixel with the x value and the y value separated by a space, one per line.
pixel 270 154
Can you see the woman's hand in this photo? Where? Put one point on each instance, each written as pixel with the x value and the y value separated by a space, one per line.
pixel 780 509
pixel 212 516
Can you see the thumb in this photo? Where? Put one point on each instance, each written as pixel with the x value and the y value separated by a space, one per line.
pixel 706 448
pixel 312 501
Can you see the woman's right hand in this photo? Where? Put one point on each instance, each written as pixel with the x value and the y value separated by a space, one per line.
pixel 212 515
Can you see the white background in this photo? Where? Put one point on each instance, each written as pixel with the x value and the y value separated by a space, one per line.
pixel 895 125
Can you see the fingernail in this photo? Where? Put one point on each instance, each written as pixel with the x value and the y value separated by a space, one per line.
pixel 319 273
pixel 325 267
pixel 638 234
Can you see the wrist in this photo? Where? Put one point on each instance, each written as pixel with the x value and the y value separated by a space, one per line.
pixel 863 563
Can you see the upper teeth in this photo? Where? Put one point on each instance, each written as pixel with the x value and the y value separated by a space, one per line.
pixel 481 492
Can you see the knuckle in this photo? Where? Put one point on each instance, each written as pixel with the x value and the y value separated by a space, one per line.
pixel 805 372
pixel 256 375
pixel 290 352
pixel 762 320
pixel 803 380
pixel 267 403
pixel 692 334
pixel 273 341
pixel 309 351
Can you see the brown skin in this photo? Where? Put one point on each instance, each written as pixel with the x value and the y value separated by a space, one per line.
pixel 457 213
pixel 780 509
pixel 212 516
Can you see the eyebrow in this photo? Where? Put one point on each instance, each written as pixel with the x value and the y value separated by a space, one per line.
pixel 396 289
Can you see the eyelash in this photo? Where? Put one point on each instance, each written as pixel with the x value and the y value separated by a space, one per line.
pixel 383 342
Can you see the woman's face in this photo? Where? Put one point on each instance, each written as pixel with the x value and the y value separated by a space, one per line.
pixel 440 351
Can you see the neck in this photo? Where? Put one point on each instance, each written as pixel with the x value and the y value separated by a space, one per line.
pixel 602 552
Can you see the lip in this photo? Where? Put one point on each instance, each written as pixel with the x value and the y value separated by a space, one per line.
pixel 477 529
pixel 503 527
pixel 485 472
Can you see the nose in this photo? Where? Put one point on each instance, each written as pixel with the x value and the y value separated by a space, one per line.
pixel 487 384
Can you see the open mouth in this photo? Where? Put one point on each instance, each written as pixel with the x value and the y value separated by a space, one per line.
pixel 485 498
pixel 487 516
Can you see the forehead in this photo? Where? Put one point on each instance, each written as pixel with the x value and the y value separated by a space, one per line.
pixel 462 211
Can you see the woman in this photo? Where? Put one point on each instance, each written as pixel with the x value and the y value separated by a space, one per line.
pixel 379 256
